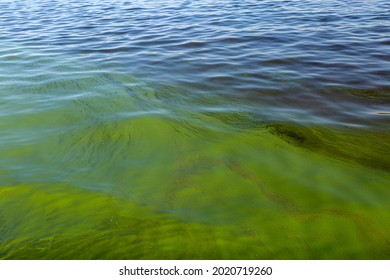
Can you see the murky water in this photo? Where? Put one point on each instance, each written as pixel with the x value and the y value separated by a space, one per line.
pixel 194 129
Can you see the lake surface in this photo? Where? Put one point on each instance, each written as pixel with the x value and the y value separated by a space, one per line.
pixel 194 129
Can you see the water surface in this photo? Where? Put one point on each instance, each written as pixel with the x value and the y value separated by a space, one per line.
pixel 194 129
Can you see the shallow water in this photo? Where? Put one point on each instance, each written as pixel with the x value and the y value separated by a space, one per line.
pixel 194 129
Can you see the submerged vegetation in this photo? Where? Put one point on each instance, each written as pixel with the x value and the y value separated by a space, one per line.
pixel 151 187
pixel 194 129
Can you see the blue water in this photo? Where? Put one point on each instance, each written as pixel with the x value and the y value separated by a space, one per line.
pixel 309 61
pixel 201 111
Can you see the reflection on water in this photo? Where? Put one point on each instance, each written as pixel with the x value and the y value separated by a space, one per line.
pixel 202 131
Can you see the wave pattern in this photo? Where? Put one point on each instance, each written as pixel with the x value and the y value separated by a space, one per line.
pixel 320 59
pixel 194 129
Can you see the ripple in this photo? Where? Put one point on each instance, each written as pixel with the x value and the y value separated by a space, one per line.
pixel 224 114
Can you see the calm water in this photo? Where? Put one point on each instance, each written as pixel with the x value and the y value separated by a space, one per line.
pixel 181 129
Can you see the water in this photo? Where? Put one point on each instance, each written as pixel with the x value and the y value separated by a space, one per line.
pixel 194 129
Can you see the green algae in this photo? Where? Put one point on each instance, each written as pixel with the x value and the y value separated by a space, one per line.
pixel 127 170
pixel 356 145
pixel 198 199
pixel 61 222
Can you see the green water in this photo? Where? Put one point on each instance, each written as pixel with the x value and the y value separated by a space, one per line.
pixel 194 130
pixel 93 181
